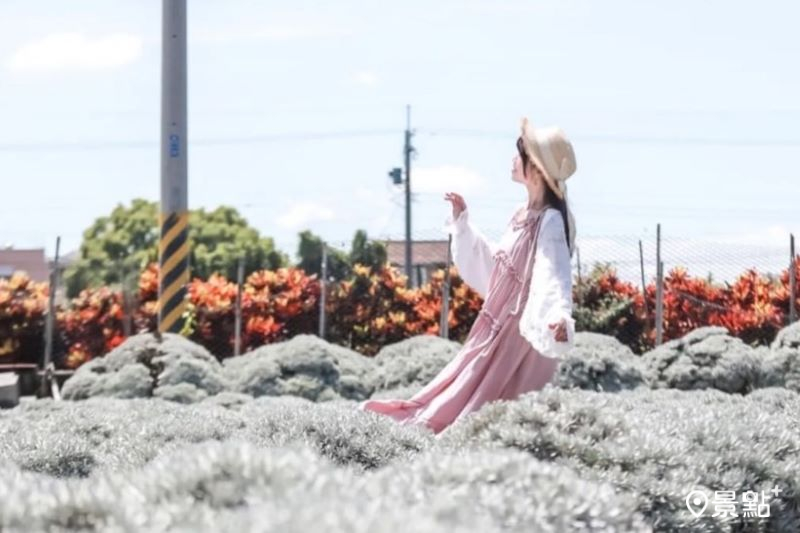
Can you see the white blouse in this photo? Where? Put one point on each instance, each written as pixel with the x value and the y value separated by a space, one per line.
pixel 550 292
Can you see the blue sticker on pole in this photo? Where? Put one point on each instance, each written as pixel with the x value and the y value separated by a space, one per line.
pixel 174 145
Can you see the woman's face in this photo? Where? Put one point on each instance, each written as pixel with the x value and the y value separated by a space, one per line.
pixel 516 169
pixel 519 176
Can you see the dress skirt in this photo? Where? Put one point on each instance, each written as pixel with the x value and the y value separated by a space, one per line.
pixel 495 362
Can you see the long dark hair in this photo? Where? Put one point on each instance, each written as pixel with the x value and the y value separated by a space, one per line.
pixel 549 195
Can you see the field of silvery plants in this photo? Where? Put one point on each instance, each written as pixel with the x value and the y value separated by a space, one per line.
pixel 158 435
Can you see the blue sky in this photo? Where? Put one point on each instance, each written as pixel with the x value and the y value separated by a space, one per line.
pixel 684 113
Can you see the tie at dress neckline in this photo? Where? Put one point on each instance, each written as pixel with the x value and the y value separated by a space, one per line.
pixel 529 216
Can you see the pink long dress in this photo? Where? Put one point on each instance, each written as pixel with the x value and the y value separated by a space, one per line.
pixel 495 362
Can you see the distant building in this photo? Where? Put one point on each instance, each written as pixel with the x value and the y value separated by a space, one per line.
pixel 33 262
pixel 426 257
pixel 65 260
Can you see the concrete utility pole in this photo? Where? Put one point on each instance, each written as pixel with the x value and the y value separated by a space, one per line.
pixel 173 256
pixel 407 151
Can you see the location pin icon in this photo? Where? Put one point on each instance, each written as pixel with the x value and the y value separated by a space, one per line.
pixel 697 502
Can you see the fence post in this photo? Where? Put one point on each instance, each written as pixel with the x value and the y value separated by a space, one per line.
pixel 792 282
pixel 237 339
pixel 659 289
pixel 444 328
pixel 126 307
pixel 48 376
pixel 322 280
pixel 644 285
pixel 580 277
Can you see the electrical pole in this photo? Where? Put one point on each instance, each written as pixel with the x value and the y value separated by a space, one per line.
pixel 407 151
pixel 173 253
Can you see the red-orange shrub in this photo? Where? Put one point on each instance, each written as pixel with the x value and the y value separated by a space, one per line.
pixel 92 325
pixel 372 310
pixel 279 304
pixel 22 310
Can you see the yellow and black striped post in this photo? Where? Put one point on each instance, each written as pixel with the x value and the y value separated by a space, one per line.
pixel 174 271
pixel 173 256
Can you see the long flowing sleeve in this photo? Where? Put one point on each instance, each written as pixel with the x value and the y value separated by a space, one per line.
pixel 473 253
pixel 550 292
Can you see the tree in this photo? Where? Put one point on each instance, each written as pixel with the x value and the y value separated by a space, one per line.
pixel 340 264
pixel 310 252
pixel 366 252
pixel 220 237
pixel 127 240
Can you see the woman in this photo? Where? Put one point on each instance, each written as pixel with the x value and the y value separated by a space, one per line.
pixel 525 324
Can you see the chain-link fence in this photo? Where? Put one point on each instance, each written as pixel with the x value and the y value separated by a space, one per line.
pixel 715 260
pixel 232 316
pixel 642 261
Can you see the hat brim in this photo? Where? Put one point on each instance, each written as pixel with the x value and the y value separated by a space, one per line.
pixel 529 150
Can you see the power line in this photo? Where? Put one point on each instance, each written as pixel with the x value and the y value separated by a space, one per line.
pixel 220 141
pixel 672 211
pixel 621 139
pixel 81 146
pixel 605 206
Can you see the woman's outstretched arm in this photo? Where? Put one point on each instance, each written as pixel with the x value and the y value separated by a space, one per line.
pixel 550 293
pixel 473 253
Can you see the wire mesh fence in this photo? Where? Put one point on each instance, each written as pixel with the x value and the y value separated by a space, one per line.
pixel 232 316
pixel 633 257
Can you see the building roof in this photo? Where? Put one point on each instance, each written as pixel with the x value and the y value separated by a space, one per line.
pixel 32 262
pixel 422 252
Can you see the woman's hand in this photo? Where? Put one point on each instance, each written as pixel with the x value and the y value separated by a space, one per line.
pixel 457 201
pixel 560 330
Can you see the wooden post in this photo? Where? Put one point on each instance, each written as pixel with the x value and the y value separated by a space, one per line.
pixel 580 277
pixel 126 304
pixel 322 290
pixel 792 282
pixel 659 289
pixel 444 329
pixel 237 340
pixel 644 285
pixel 47 365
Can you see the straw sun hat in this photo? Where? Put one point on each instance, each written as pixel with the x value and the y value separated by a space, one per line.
pixel 552 153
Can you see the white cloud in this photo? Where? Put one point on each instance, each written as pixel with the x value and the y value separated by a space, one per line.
pixel 62 51
pixel 447 178
pixel 301 214
pixel 366 78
